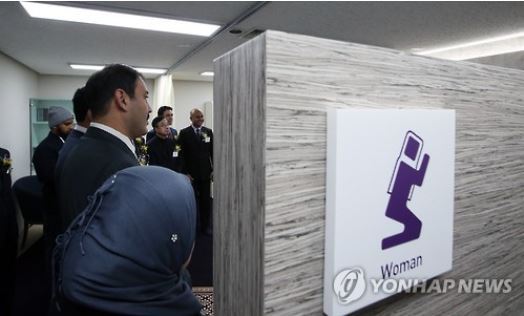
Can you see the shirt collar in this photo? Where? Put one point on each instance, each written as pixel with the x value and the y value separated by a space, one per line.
pixel 80 128
pixel 117 134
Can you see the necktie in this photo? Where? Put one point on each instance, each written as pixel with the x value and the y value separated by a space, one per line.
pixel 198 132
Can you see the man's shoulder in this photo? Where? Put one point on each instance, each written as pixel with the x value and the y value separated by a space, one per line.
pixel 72 139
pixel 75 135
pixel 51 139
pixel 150 133
pixel 186 130
pixel 85 150
pixel 91 150
pixel 50 143
pixel 152 141
pixel 91 157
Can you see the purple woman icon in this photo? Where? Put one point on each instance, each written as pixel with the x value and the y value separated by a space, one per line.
pixel 405 177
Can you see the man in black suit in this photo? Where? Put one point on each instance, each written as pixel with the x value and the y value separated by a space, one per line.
pixel 83 120
pixel 117 96
pixel 45 157
pixel 196 142
pixel 162 149
pixel 60 122
pixel 8 235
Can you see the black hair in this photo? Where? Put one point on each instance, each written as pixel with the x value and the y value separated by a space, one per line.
pixel 162 109
pixel 156 120
pixel 80 105
pixel 102 84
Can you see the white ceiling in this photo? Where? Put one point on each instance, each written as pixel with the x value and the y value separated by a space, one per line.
pixel 48 46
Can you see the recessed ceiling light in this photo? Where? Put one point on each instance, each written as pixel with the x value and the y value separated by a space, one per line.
pixel 158 71
pixel 498 45
pixel 207 73
pixel 73 14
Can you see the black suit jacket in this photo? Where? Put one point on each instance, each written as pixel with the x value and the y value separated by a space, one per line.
pixel 97 156
pixel 8 238
pixel 44 160
pixel 197 155
pixel 161 151
pixel 72 140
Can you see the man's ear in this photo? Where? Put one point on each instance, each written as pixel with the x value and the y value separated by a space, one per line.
pixel 121 99
pixel 89 116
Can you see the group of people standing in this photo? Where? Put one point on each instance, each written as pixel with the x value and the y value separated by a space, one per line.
pixel 189 152
pixel 122 234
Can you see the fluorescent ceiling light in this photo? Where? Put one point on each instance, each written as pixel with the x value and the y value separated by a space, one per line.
pixel 207 73
pixel 86 67
pixel 158 71
pixel 481 48
pixel 72 14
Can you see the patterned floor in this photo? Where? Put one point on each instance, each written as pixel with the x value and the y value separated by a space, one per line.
pixel 205 296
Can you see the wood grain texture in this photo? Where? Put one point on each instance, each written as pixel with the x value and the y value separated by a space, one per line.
pixel 270 160
pixel 305 77
pixel 238 206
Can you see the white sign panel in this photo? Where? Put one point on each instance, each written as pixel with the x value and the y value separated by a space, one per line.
pixel 389 203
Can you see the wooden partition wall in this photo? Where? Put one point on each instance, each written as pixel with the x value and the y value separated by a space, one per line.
pixel 270 101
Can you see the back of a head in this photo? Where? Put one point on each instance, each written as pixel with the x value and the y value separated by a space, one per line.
pixel 162 109
pixel 101 86
pixel 129 245
pixel 80 105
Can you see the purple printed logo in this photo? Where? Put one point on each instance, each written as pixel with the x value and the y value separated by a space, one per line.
pixel 406 175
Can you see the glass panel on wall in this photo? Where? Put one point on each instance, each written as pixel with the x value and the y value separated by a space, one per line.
pixel 38 117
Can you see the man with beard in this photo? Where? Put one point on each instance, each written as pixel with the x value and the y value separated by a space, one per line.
pixel 60 122
pixel 117 96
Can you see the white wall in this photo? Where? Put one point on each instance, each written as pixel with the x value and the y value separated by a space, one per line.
pixel 19 84
pixel 191 94
pixel 59 87
pixel 64 87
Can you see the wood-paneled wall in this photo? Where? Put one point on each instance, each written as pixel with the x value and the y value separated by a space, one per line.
pixel 302 77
